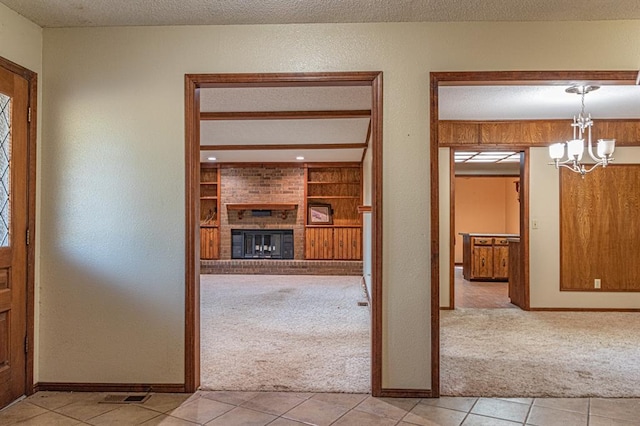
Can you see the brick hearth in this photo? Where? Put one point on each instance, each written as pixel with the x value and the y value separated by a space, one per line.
pixel 281 267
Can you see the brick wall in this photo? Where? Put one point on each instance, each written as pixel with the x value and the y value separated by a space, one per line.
pixel 266 184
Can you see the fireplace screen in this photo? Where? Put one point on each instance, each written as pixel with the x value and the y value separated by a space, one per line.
pixel 262 244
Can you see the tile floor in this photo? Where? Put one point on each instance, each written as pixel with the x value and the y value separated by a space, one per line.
pixel 291 409
pixel 480 294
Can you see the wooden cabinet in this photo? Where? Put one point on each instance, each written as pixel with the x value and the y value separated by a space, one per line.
pixel 319 243
pixel 209 243
pixel 485 257
pixel 338 190
pixel 347 243
pixel 333 244
pixel 209 209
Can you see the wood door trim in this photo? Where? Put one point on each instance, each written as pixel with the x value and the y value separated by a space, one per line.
pixel 32 82
pixel 464 78
pixel 193 82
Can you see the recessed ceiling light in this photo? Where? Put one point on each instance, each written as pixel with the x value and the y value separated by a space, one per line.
pixel 211 158
pixel 299 157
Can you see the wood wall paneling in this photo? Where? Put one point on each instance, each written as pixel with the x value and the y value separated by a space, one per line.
pixel 599 229
pixel 532 132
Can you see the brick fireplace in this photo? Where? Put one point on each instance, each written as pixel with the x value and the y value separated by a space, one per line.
pixel 266 184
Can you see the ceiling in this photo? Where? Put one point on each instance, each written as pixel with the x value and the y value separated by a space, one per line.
pixel 309 135
pixel 93 13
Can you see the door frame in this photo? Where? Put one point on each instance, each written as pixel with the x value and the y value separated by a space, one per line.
pixel 523 211
pixel 475 78
pixel 194 82
pixel 32 81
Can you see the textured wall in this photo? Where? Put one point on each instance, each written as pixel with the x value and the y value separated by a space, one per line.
pixel 112 214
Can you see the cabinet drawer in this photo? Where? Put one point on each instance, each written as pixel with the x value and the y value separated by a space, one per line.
pixel 500 242
pixel 478 241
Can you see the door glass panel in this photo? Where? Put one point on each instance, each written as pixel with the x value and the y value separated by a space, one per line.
pixel 5 168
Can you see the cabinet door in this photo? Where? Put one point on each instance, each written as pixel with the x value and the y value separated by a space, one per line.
pixel 209 243
pixel 482 262
pixel 501 262
pixel 319 243
pixel 347 243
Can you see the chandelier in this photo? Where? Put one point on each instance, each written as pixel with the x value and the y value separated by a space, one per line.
pixel 575 148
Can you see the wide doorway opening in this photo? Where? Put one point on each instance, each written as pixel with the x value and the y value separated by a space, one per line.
pixel 540 339
pixel 288 180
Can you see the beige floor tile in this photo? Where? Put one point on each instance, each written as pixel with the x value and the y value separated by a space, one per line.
pixel 542 416
pixel 286 422
pixel 476 420
pixel 50 419
pixel 429 415
pixel 605 421
pixel 229 397
pixel 346 400
pixel 616 408
pixel 452 403
pixel 276 403
pixel 55 400
pixel 315 412
pixel 202 410
pixel 527 401
pixel 86 409
pixel 242 417
pixel 360 418
pixel 391 408
pixel 578 405
pixel 501 409
pixel 164 420
pixel 163 402
pixel 124 415
pixel 20 411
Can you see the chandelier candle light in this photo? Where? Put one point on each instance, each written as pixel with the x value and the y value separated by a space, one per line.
pixel 575 147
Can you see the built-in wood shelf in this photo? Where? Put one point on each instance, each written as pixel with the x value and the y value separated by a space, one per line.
pixel 281 207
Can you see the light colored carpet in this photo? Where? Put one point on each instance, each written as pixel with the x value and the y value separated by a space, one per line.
pixel 509 352
pixel 284 333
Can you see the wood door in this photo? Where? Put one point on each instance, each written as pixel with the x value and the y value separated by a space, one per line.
pixel 347 244
pixel 501 261
pixel 14 95
pixel 318 243
pixel 482 262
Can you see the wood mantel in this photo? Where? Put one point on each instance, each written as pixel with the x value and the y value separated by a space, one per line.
pixel 241 207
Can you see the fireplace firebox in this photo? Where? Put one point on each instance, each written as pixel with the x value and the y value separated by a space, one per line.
pixel 262 244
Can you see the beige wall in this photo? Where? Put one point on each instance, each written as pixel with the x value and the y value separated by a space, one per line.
pixel 21 42
pixel 112 234
pixel 484 205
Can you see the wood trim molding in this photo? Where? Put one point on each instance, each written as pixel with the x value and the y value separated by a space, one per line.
pixel 194 82
pixel 32 132
pixel 435 237
pixel 464 78
pixel 377 331
pixel 283 146
pixel 110 387
pixel 285 115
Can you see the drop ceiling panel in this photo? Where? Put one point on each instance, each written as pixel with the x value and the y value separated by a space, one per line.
pixel 285 99
pixel 283 156
pixel 285 132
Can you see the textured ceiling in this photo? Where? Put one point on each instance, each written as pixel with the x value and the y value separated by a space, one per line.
pixel 89 13
pixel 534 102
